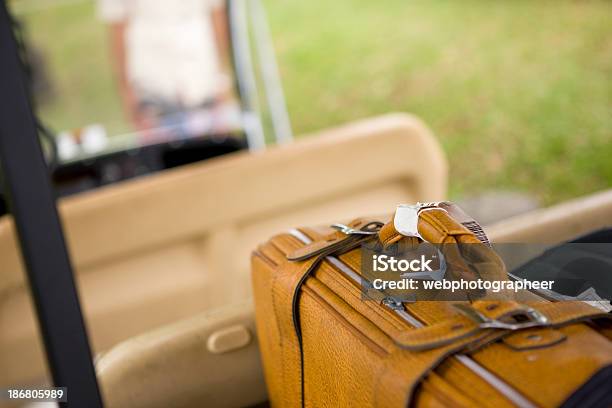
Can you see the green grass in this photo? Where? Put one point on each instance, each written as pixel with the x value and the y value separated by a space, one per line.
pixel 77 58
pixel 518 92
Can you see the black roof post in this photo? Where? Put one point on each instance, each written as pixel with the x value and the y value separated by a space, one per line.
pixel 32 204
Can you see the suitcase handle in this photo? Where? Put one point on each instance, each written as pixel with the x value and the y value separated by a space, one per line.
pixel 447 226
pixel 435 222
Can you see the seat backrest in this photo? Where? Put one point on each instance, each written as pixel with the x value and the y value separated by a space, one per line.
pixel 558 223
pixel 153 250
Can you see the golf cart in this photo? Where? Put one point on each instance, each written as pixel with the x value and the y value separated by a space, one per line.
pixel 135 291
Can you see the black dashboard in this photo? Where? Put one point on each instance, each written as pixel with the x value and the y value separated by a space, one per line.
pixel 113 167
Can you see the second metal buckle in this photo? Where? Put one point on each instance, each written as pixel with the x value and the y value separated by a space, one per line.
pixel 532 318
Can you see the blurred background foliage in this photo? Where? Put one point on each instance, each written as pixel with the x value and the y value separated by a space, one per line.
pixel 518 92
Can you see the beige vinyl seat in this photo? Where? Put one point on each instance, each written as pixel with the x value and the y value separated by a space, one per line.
pixel 152 252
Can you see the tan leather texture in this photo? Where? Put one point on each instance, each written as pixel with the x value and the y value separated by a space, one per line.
pixel 322 344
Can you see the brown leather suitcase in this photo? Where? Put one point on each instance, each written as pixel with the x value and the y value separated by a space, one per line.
pixel 322 344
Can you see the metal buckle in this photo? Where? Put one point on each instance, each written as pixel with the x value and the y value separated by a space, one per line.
pixel 406 218
pixel 524 318
pixel 370 228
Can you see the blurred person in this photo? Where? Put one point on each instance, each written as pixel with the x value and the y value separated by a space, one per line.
pixel 170 56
